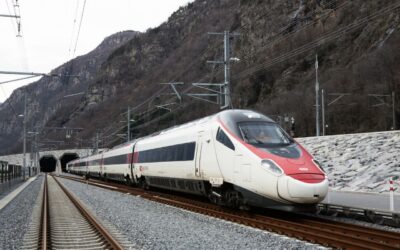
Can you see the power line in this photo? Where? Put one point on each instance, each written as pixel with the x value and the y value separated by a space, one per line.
pixel 79 28
pixel 13 16
pixel 9 12
pixel 192 64
pixel 19 79
pixel 73 27
pixel 281 35
pixel 317 42
pixel 187 68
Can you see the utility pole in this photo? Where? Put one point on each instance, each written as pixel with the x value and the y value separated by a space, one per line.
pixel 97 141
pixel 226 92
pixel 323 111
pixel 227 70
pixel 381 99
pixel 24 135
pixel 316 97
pixel 394 110
pixel 36 152
pixel 18 18
pixel 128 133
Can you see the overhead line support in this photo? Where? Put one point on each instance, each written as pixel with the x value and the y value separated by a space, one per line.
pixel 224 93
pixel 172 84
pixel 12 16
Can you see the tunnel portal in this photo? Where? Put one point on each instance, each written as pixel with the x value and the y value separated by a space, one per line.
pixel 48 163
pixel 65 158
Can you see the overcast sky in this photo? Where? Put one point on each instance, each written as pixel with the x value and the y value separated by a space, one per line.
pixel 48 28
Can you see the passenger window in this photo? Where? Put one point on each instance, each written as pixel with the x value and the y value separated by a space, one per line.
pixel 224 139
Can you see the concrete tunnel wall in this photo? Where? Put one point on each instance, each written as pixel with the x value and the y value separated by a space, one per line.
pixel 62 157
pixel 48 163
pixel 65 158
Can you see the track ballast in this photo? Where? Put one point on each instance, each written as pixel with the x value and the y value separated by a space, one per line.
pixel 64 223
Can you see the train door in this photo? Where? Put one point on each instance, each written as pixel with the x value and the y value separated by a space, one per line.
pixel 242 169
pixel 102 170
pixel 236 168
pixel 199 150
pixel 133 170
pixel 225 151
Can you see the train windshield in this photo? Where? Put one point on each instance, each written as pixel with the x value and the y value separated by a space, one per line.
pixel 263 133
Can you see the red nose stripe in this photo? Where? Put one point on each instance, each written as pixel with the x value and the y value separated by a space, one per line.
pixel 308 178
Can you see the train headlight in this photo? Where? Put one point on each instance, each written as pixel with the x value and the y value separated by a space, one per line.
pixel 271 167
pixel 319 165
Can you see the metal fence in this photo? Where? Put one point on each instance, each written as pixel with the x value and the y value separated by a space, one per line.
pixel 10 174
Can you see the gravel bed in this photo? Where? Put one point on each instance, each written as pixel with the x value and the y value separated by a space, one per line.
pixel 357 222
pixel 150 225
pixel 15 217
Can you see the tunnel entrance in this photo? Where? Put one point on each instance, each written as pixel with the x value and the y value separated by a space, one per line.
pixel 48 163
pixel 65 158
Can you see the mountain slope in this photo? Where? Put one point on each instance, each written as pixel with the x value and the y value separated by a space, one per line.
pixel 45 97
pixel 357 43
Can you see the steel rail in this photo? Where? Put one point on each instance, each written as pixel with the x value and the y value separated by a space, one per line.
pixel 113 243
pixel 45 237
pixel 316 230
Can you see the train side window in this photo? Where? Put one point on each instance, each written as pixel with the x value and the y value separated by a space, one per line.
pixel 170 154
pixel 164 154
pixel 190 151
pixel 181 152
pixel 176 153
pixel 224 139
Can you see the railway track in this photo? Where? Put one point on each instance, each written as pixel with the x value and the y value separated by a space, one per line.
pixel 315 230
pixel 63 223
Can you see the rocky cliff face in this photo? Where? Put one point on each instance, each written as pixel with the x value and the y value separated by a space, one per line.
pixel 45 97
pixel 357 43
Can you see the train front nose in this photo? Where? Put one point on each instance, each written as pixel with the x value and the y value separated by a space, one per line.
pixel 303 188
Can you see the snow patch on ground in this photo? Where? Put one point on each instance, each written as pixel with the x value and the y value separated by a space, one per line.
pixel 358 162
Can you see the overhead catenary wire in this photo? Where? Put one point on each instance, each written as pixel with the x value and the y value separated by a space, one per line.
pixel 17 30
pixel 202 53
pixel 12 22
pixel 18 79
pixel 8 99
pixel 283 32
pixel 79 27
pixel 9 102
pixel 317 42
pixel 241 28
pixel 312 45
pixel 192 64
pixel 73 28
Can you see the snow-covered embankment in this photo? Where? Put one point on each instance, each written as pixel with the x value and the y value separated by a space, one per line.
pixel 358 162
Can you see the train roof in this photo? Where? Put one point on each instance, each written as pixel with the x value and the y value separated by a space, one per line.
pixel 232 115
pixel 229 117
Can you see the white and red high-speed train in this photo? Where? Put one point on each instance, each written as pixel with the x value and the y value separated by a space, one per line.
pixel 235 157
